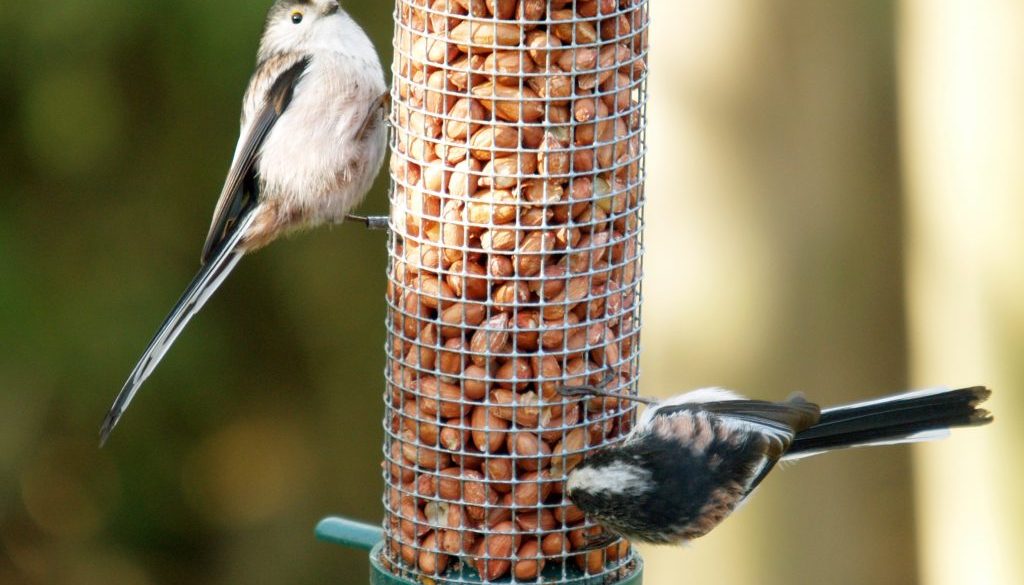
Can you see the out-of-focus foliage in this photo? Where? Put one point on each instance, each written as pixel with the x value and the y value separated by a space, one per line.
pixel 118 123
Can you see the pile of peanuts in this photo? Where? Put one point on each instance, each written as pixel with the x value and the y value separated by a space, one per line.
pixel 517 170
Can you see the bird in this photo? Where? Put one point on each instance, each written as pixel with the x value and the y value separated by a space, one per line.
pixel 692 459
pixel 312 140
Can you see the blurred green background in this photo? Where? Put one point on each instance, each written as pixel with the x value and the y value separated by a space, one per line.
pixel 119 121
pixel 836 196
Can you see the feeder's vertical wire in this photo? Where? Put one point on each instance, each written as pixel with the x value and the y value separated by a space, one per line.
pixel 569 249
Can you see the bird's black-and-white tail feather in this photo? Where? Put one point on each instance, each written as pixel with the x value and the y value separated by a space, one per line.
pixel 207 280
pixel 901 418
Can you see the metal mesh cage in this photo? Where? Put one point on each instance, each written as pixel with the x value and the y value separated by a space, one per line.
pixel 517 166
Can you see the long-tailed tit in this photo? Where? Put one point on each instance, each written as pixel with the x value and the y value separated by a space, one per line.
pixel 312 141
pixel 692 459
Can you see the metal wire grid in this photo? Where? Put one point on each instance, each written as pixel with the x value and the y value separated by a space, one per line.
pixel 514 266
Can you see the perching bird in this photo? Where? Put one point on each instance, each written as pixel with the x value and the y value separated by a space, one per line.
pixel 312 141
pixel 692 459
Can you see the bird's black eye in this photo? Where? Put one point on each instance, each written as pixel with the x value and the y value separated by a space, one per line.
pixel 296 17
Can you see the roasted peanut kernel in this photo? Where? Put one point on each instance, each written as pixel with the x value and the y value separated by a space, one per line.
pixel 572 31
pixel 591 8
pixel 463 119
pixel 490 340
pixel 489 430
pixel 531 11
pixel 466 280
pixel 449 359
pixel 475 382
pixel 530 563
pixel 447 403
pixel 439 21
pixel 544 47
pixel 529 259
pixel 461 71
pixel 508 67
pixel 512 104
pixel 493 207
pixel 502 512
pixel 515 374
pixel 424 457
pixel 531 490
pixel 568 514
pixel 473 7
pixel 498 547
pixel 413 522
pixel 491 141
pixel 485 34
pixel 432 562
pixel 555 544
pixel 398 472
pixel 501 9
pixel 496 240
pixel 533 451
pixel 568 453
pixel 505 172
pixel 460 315
pixel 527 333
pixel 532 521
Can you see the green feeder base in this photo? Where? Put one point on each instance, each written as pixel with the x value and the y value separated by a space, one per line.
pixel 366 537
pixel 349 533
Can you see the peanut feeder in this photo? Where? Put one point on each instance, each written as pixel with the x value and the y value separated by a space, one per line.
pixel 517 167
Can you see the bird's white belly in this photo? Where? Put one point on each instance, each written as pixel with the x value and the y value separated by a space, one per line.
pixel 313 160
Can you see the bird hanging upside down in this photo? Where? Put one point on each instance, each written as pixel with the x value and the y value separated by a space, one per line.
pixel 692 459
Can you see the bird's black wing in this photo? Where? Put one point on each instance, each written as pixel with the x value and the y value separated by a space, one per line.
pixel 241 188
pixel 778 422
pixel 791 416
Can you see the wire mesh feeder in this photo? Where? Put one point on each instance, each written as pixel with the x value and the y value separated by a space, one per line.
pixel 517 168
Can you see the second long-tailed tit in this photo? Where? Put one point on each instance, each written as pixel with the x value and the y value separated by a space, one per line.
pixel 692 459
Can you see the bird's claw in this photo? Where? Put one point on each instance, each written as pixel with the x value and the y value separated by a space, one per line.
pixel 588 389
pixel 598 541
pixel 372 222
pixel 598 390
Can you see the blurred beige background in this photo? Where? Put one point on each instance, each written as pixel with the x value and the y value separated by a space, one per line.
pixel 836 202
pixel 835 206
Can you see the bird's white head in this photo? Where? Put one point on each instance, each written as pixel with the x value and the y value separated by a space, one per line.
pixel 309 26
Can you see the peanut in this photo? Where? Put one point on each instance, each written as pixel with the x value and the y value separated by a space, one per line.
pixel 568 453
pixel 431 561
pixel 555 544
pixel 510 103
pixel 488 430
pixel 480 35
pixel 497 549
pixel 530 563
pixel 508 67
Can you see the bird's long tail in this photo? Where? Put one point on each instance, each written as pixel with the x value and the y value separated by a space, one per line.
pixel 901 418
pixel 202 287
